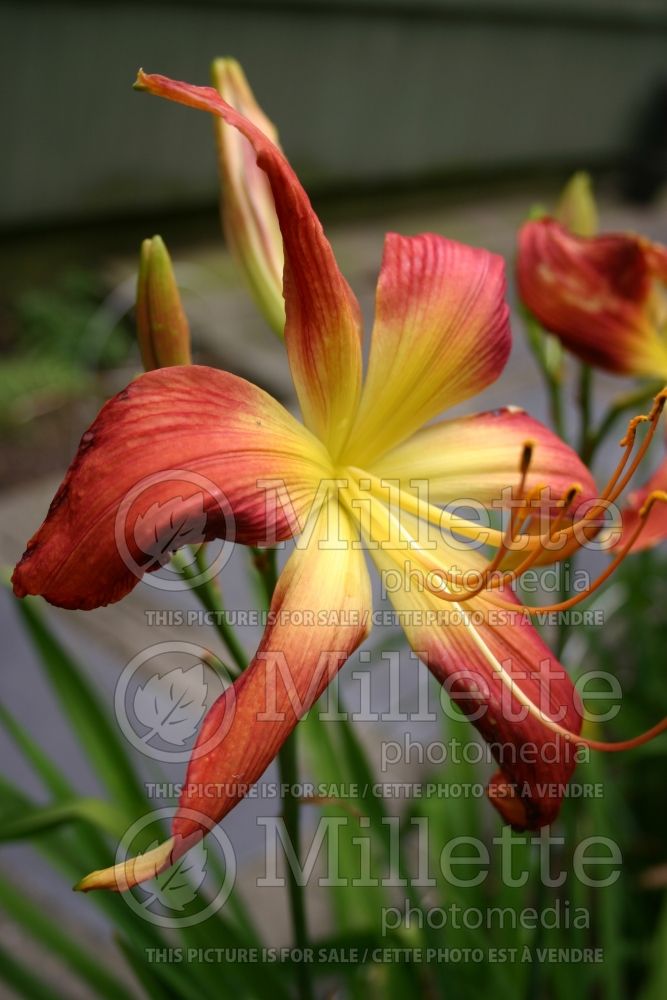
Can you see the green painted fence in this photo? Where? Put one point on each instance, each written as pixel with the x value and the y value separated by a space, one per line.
pixel 363 92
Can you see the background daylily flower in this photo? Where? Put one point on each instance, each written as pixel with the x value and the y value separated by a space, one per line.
pixel 248 212
pixel 349 478
pixel 604 296
pixel 162 327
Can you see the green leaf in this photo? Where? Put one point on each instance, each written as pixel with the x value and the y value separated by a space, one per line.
pixel 23 982
pixel 145 973
pixel 73 849
pixel 31 822
pixel 54 780
pixel 163 980
pixel 98 737
pixel 47 932
pixel 656 985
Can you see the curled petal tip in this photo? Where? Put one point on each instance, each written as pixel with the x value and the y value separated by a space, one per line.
pixel 323 318
pixel 505 797
pixel 126 874
pixel 140 82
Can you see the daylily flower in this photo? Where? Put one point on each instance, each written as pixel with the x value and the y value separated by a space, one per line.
pixel 248 212
pixel 353 475
pixel 604 297
pixel 162 327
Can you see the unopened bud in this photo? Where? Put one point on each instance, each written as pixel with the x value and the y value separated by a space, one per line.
pixel 577 209
pixel 248 210
pixel 162 327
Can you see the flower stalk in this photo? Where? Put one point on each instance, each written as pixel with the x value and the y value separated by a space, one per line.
pixel 208 592
pixel 264 561
pixel 210 596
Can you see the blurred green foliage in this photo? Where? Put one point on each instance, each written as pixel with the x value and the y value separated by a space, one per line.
pixel 629 920
pixel 57 322
pixel 59 339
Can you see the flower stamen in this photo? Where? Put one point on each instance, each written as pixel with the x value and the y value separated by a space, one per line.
pixel 658 496
pixel 542 717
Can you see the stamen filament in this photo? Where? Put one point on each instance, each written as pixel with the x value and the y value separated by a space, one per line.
pixel 426 511
pixel 496 666
pixel 620 478
pixel 555 727
pixel 657 497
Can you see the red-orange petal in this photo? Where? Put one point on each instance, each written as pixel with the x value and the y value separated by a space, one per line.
pixel 181 455
pixel 323 323
pixel 535 765
pixel 320 613
pixel 474 458
pixel 441 335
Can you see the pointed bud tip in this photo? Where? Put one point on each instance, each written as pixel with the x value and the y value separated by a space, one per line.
pixel 577 208
pixel 162 327
pixel 224 64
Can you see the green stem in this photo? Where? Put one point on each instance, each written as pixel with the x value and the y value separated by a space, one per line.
pixel 536 980
pixel 547 352
pixel 291 815
pixel 210 597
pixel 632 401
pixel 554 390
pixel 264 561
pixel 585 407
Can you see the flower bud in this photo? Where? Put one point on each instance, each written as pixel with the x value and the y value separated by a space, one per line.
pixel 162 327
pixel 248 211
pixel 577 210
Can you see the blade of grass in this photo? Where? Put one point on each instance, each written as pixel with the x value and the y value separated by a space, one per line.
pixel 655 987
pixel 48 933
pixel 53 779
pixel 67 853
pixel 98 737
pixel 24 982
pixel 42 819
pixel 151 983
